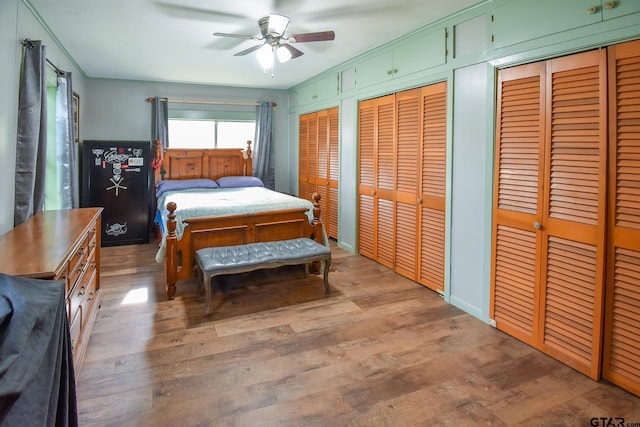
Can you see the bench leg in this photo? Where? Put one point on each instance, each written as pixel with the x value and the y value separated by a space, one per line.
pixel 326 264
pixel 200 282
pixel 207 292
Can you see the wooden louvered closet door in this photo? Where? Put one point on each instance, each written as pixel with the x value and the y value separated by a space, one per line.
pixel 402 153
pixel 366 178
pixel 621 361
pixel 321 168
pixel 549 207
pixel 431 199
pixel 328 168
pixel 376 137
pixel 318 163
pixel 307 158
pixel 333 172
pixel 409 121
pixel 518 198
pixel 574 225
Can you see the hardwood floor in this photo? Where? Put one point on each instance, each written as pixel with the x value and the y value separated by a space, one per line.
pixel 380 350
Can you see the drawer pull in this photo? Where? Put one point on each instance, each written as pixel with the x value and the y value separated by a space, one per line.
pixel 82 291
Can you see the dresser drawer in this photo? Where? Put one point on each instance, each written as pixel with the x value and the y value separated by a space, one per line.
pixel 91 238
pixel 77 263
pixel 86 281
pixel 74 330
pixel 88 305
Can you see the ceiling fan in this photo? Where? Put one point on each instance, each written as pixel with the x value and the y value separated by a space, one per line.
pixel 275 41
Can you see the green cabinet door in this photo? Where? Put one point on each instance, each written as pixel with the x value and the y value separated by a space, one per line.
pixel 324 88
pixel 522 20
pixel 615 8
pixel 374 70
pixel 410 56
pixel 427 51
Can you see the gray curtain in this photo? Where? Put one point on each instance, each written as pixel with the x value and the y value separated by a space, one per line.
pixel 65 143
pixel 31 141
pixel 263 166
pixel 160 122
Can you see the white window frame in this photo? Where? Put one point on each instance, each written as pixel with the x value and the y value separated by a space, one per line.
pixel 216 118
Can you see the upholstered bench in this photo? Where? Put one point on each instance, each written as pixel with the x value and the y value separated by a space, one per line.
pixel 220 260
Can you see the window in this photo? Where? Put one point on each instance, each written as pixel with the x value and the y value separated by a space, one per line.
pixel 210 133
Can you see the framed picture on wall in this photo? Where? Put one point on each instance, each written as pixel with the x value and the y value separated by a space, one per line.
pixel 76 117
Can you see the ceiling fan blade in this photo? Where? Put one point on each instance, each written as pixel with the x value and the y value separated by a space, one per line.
pixel 312 37
pixel 251 49
pixel 199 13
pixel 294 52
pixel 237 36
pixel 277 24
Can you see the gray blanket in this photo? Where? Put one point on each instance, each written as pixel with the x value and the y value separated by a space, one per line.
pixel 37 383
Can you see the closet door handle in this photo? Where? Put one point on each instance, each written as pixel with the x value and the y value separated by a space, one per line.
pixel 537 225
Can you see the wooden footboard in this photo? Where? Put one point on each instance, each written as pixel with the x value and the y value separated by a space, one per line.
pixel 233 230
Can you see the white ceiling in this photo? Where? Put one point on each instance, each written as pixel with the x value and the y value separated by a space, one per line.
pixel 172 40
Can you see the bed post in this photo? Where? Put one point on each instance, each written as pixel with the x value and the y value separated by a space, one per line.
pixel 248 160
pixel 171 247
pixel 317 228
pixel 156 163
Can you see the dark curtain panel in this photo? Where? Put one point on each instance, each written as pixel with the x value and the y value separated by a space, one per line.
pixel 263 166
pixel 65 143
pixel 160 122
pixel 32 133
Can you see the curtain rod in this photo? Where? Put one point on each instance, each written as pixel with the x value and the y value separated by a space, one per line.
pixel 185 101
pixel 58 70
pixel 28 43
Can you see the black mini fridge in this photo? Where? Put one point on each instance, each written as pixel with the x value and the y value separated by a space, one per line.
pixel 116 175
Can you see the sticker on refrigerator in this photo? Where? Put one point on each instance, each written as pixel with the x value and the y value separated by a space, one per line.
pixel 136 161
pixel 116 229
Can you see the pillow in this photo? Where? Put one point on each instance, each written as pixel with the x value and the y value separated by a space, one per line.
pixel 183 184
pixel 239 181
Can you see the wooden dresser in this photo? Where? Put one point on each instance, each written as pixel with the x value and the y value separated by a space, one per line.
pixel 61 245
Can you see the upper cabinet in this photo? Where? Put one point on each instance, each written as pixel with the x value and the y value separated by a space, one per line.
pixel 523 20
pixel 321 89
pixel 409 57
pixel 614 9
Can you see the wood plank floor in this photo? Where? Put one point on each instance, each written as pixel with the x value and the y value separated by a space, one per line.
pixel 380 350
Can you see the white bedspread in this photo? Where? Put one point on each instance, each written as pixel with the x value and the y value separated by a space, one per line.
pixel 222 201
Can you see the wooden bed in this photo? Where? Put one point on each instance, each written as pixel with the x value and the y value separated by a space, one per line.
pixel 178 164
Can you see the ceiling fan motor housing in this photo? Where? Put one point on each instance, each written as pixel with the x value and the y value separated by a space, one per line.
pixel 272 28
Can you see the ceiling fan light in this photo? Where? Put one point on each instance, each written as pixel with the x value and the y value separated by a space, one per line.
pixel 265 56
pixel 277 24
pixel 283 54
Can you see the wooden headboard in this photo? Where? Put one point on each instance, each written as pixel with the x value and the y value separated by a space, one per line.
pixel 201 163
